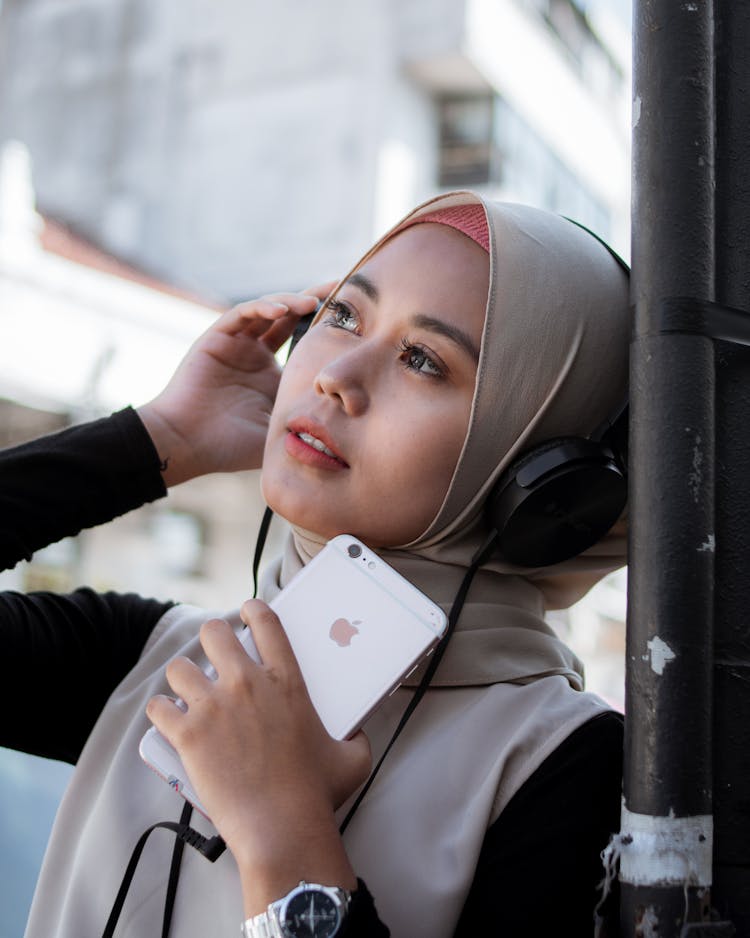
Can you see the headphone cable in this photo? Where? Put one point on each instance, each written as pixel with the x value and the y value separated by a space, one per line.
pixel 458 603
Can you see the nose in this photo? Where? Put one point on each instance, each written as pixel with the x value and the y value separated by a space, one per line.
pixel 345 378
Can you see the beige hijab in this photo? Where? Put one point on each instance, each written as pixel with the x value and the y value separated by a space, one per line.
pixel 553 362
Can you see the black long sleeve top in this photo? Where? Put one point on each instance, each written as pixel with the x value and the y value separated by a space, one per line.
pixel 539 868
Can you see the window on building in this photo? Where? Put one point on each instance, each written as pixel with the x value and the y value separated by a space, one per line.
pixel 484 142
pixel 587 54
pixel 533 173
pixel 467 151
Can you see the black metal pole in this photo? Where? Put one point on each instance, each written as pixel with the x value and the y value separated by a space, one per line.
pixel 665 863
pixel 731 889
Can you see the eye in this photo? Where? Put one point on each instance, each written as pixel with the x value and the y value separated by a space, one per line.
pixel 417 358
pixel 341 316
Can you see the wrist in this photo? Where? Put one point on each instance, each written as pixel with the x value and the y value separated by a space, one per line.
pixel 259 893
pixel 174 454
pixel 274 861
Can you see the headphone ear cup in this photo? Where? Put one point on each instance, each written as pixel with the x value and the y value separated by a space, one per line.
pixel 557 501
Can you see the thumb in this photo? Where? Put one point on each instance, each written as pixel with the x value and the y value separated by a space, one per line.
pixel 354 763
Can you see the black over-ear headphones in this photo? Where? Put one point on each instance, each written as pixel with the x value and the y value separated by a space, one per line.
pixel 562 496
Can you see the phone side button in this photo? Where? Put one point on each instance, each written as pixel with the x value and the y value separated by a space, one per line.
pixel 392 692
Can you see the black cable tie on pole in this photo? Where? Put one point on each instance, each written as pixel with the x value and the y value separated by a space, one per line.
pixel 458 603
pixel 684 315
pixel 210 847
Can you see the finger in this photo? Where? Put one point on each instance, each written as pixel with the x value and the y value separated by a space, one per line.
pixel 274 332
pixel 322 290
pixel 254 316
pixel 358 746
pixel 283 328
pixel 356 764
pixel 270 638
pixel 165 715
pixel 223 648
pixel 295 304
pixel 186 679
pixel 251 315
pixel 277 334
pixel 256 327
pixel 271 319
pixel 358 755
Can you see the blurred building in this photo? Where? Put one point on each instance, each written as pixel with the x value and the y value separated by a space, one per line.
pixel 234 146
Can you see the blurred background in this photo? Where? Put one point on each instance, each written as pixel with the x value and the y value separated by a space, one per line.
pixel 161 160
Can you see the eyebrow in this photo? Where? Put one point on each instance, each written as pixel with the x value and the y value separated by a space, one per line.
pixel 462 339
pixel 365 285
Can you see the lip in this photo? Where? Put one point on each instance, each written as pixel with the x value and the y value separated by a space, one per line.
pixel 305 453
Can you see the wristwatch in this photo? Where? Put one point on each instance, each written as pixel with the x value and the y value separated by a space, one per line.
pixel 308 911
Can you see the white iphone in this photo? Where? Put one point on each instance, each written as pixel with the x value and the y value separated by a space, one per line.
pixel 357 628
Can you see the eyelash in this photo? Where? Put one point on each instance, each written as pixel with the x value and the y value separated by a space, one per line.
pixel 336 308
pixel 406 347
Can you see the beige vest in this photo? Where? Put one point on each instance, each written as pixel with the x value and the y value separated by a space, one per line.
pixel 415 839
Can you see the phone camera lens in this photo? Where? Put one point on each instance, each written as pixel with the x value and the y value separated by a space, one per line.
pixel 354 550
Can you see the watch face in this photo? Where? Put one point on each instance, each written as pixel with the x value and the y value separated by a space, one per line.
pixel 311 913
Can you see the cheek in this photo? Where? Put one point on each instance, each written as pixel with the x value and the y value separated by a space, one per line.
pixel 296 380
pixel 428 451
pixel 298 372
pixel 269 473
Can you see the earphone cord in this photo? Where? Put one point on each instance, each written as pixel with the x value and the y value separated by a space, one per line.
pixel 479 558
pixel 260 543
pixel 211 848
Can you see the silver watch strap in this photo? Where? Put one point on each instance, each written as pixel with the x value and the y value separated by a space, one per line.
pixel 267 925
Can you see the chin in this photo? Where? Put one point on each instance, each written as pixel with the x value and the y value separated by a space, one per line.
pixel 301 510
pixel 300 516
pixel 297 507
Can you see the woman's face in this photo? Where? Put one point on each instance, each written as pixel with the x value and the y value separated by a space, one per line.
pixel 374 404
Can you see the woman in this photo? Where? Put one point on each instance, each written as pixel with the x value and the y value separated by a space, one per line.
pixel 467 334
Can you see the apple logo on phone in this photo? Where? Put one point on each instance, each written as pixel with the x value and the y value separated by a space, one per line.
pixel 343 631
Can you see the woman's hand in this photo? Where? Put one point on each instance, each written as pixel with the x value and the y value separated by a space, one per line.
pixel 260 760
pixel 213 414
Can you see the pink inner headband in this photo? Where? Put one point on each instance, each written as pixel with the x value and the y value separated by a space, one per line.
pixel 468 219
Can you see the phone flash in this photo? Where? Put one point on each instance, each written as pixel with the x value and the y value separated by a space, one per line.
pixel 371 565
